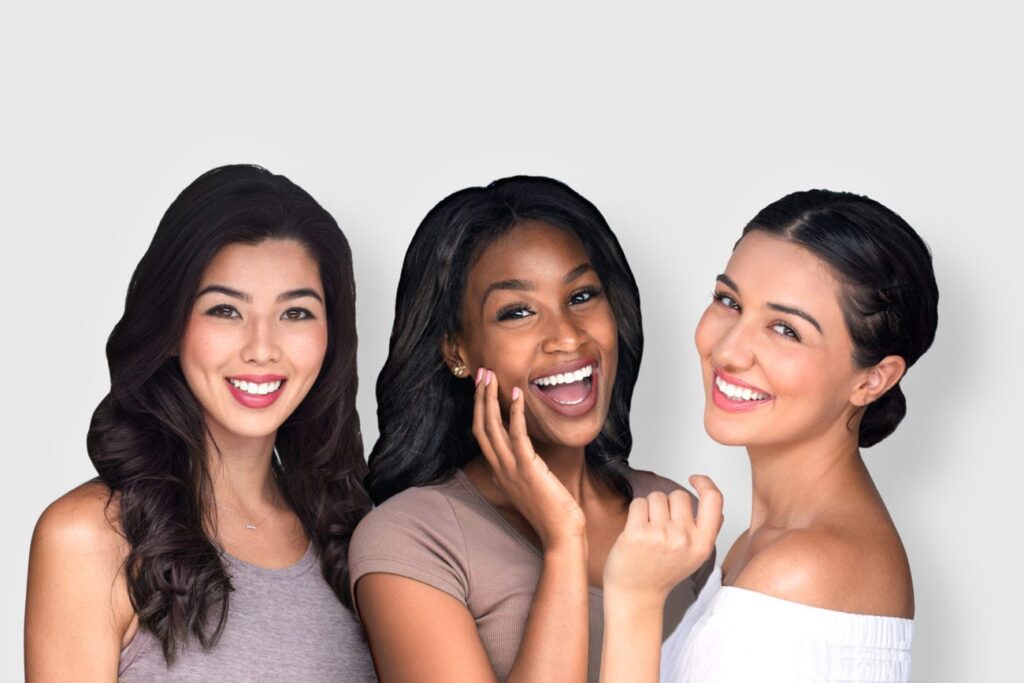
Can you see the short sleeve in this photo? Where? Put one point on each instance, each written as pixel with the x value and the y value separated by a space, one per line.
pixel 415 534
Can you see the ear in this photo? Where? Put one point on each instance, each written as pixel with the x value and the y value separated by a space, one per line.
pixel 452 355
pixel 878 379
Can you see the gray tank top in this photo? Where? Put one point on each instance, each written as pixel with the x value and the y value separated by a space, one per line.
pixel 283 625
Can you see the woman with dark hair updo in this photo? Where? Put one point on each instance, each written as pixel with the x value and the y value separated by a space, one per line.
pixel 213 544
pixel 501 472
pixel 827 300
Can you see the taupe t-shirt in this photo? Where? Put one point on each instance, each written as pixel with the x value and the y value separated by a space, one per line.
pixel 448 536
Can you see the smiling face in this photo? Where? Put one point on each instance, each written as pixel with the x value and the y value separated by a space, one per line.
pixel 775 351
pixel 256 337
pixel 535 313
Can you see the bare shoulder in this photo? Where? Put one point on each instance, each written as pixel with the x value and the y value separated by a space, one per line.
pixel 856 571
pixel 82 524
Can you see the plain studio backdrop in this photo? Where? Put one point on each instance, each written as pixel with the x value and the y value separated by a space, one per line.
pixel 679 123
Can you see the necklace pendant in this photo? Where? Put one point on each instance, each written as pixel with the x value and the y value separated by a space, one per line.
pixel 250 527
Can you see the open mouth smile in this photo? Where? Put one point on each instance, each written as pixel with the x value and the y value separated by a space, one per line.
pixel 730 394
pixel 569 389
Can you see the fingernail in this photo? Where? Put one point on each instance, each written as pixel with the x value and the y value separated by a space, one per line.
pixel 515 393
pixel 487 382
pixel 479 374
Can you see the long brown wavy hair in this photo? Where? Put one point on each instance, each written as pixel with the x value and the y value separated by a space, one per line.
pixel 147 437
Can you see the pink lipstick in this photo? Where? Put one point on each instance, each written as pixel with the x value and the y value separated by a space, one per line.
pixel 736 396
pixel 256 391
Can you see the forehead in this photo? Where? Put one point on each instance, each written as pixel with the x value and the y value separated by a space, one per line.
pixel 771 269
pixel 532 251
pixel 271 264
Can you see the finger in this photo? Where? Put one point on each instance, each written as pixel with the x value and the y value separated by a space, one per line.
pixel 680 508
pixel 479 426
pixel 709 509
pixel 657 508
pixel 637 517
pixel 493 423
pixel 522 447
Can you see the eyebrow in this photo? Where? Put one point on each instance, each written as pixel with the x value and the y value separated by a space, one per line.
pixel 797 312
pixel 526 285
pixel 242 296
pixel 781 308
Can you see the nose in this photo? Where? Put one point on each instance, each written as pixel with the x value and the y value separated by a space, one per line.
pixel 563 334
pixel 261 343
pixel 734 350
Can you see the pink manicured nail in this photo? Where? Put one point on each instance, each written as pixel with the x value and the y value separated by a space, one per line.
pixel 479 374
pixel 515 393
pixel 487 382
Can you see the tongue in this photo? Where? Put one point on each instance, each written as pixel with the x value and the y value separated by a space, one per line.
pixel 574 392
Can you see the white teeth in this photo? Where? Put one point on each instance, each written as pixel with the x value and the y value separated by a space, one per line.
pixel 256 389
pixel 738 393
pixel 565 377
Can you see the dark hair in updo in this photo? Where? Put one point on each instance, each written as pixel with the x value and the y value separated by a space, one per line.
pixel 890 299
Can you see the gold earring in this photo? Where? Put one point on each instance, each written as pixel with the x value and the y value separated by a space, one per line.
pixel 459 369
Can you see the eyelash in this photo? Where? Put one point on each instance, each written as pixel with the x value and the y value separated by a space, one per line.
pixel 514 311
pixel 230 312
pixel 720 297
pixel 788 332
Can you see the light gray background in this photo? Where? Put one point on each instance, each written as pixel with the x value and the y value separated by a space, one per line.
pixel 679 123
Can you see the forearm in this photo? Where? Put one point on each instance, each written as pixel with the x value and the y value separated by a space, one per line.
pixel 631 651
pixel 554 645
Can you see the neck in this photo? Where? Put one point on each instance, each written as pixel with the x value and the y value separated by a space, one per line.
pixel 240 469
pixel 569 465
pixel 793 482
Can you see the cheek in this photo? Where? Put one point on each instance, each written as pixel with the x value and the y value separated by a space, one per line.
pixel 202 348
pixel 307 348
pixel 710 329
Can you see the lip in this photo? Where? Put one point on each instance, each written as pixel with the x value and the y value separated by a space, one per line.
pixel 255 401
pixel 584 406
pixel 729 405
pixel 571 366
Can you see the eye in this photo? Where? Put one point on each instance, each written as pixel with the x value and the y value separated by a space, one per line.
pixel 298 313
pixel 726 300
pixel 785 330
pixel 224 311
pixel 516 311
pixel 584 295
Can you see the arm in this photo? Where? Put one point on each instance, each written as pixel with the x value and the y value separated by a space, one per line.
pixel 77 609
pixel 418 633
pixel 554 645
pixel 659 547
pixel 421 633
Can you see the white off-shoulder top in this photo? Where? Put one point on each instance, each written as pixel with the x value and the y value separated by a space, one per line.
pixel 734 634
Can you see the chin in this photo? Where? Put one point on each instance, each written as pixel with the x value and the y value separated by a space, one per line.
pixel 725 434
pixel 249 428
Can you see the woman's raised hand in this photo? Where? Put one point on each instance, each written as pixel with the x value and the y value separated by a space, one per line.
pixel 535 491
pixel 662 543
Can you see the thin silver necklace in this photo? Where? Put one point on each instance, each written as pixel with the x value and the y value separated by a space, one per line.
pixel 251 526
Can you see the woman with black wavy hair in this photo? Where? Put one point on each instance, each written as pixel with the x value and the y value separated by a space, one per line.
pixel 213 544
pixel 827 299
pixel 501 472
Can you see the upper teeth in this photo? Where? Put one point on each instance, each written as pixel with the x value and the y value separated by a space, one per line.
pixel 565 377
pixel 254 388
pixel 738 393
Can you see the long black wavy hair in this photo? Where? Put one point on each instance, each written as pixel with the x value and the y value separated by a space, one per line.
pixel 425 413
pixel 889 295
pixel 147 436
